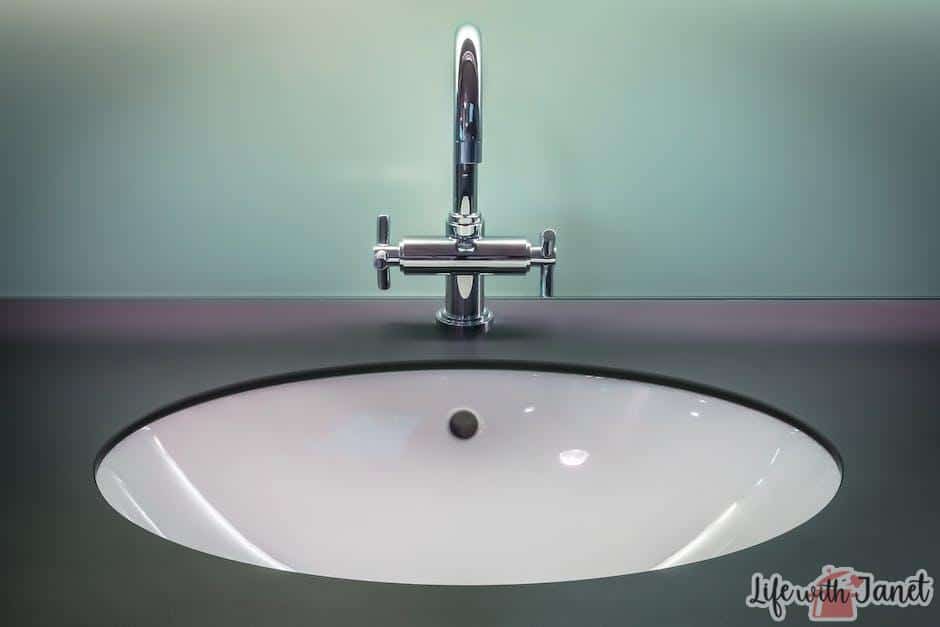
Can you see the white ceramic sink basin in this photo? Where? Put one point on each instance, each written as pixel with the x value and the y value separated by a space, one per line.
pixel 569 476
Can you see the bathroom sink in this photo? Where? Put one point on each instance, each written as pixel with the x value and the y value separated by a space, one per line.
pixel 491 475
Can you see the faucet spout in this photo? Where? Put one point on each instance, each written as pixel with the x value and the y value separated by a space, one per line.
pixel 468 129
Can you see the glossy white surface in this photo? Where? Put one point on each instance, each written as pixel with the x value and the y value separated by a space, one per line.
pixel 569 477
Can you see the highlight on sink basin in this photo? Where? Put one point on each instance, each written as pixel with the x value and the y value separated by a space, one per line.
pixel 468 476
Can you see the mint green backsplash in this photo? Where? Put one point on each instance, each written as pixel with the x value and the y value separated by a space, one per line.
pixel 716 149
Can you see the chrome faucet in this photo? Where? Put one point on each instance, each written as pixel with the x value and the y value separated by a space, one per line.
pixel 464 255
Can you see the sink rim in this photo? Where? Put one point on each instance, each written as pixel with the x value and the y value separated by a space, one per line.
pixel 473 364
pixel 480 364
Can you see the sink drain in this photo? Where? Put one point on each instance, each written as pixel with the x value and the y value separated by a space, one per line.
pixel 464 424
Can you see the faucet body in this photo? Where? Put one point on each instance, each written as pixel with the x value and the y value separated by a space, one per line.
pixel 463 255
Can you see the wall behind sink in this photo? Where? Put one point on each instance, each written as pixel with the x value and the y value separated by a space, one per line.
pixel 721 148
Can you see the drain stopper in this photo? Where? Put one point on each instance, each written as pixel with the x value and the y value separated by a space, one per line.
pixel 464 424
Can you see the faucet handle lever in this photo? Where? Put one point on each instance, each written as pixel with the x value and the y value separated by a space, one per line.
pixel 547 270
pixel 383 229
pixel 547 281
pixel 547 242
pixel 380 259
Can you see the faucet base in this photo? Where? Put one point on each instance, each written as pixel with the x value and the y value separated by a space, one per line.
pixel 463 308
pixel 463 324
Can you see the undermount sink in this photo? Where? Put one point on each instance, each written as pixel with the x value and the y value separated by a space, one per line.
pixel 489 475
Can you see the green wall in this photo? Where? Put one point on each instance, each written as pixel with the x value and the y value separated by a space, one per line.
pixel 722 148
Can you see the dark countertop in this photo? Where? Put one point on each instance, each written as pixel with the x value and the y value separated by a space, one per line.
pixel 863 373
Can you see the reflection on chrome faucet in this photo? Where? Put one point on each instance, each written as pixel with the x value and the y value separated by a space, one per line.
pixel 463 255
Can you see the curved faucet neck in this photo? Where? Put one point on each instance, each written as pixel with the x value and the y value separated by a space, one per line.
pixel 465 221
